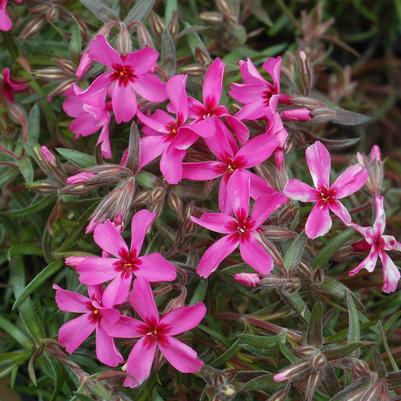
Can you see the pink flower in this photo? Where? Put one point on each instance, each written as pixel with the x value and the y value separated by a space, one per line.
pixel 255 93
pixel 156 332
pixel 84 64
pixel 230 158
pixel 168 136
pixel 325 196
pixel 125 263
pixel 378 244
pixel 126 76
pixel 94 314
pixel 90 112
pixel 247 279
pixel 9 84
pixel 205 114
pixel 241 227
pixel 5 21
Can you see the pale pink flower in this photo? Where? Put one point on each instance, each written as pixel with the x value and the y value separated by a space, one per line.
pixel 247 279
pixel 377 243
pixel 90 112
pixel 256 92
pixel 125 263
pixel 205 114
pixel 93 315
pixel 10 86
pixel 240 226
pixel 168 136
pixel 325 196
pixel 126 76
pixel 231 158
pixel 155 332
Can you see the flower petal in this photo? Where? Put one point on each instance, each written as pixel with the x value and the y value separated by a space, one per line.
pixel 350 181
pixel 151 147
pixel 219 143
pixel 298 190
pixel 140 225
pixel 215 254
pixel 152 122
pixel 183 319
pixel 340 211
pixel 257 150
pixel 218 222
pixel 73 333
pixel 259 187
pixel 380 215
pixel 265 206
pixel 123 100
pixel 180 355
pixel 239 128
pixel 106 350
pixel 142 301
pixel 109 239
pixel 143 60
pixel 176 92
pixel 118 290
pixel 140 362
pixel 171 165
pixel 273 67
pixel 391 274
pixel 319 162
pixel 238 188
pixel 5 21
pixel 250 74
pixel 201 171
pixel 319 222
pixel 155 267
pixel 125 327
pixel 101 52
pixel 213 82
pixel 255 255
pixel 150 87
pixel 369 263
pixel 69 301
pixel 247 93
pixel 94 270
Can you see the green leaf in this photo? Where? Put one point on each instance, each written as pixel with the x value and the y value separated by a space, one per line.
pixel 42 277
pixel 171 6
pixel 139 11
pixel 322 258
pixel 227 355
pixel 24 249
pixel 75 43
pixel 262 341
pixel 100 10
pixel 14 332
pixel 26 169
pixel 199 293
pixel 354 328
pixel 295 252
pixel 133 148
pixel 195 42
pixel 33 127
pixel 168 53
pixel 261 383
pixel 342 351
pixel 315 329
pixel 78 158
pixel 41 204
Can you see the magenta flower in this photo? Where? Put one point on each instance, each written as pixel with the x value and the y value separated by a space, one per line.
pixel 155 332
pixel 125 263
pixel 241 228
pixel 10 86
pixel 377 244
pixel 90 112
pixel 5 21
pixel 93 316
pixel 127 75
pixel 230 158
pixel 255 93
pixel 325 196
pixel 168 136
pixel 205 114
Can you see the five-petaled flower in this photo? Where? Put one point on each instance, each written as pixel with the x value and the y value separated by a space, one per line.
pixel 378 244
pixel 125 263
pixel 325 197
pixel 156 332
pixel 127 74
pixel 93 315
pixel 230 158
pixel 241 227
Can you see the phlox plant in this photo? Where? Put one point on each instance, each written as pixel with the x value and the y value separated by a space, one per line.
pixel 206 236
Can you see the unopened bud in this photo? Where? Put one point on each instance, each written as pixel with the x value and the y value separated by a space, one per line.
pixel 306 72
pixel 360 368
pixel 123 41
pixel 374 167
pixel 306 351
pixel 202 57
pixel 156 198
pixel 225 7
pixel 52 15
pixel 292 372
pixel 173 25
pixel 74 261
pixel 175 203
pixel 283 283
pixel 318 361
pixel 80 178
pixel 287 213
pixel 66 66
pixel 192 69
pixel 156 23
pixel 322 115
pixel 48 156
pixel 247 279
pixel 277 232
pixel 300 115
pixel 18 115
pixel 280 395
pixel 212 17
pixel 51 73
pixel 33 26
pixel 84 64
pixel 144 37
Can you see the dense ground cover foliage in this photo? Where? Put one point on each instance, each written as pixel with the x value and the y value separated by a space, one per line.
pixel 200 200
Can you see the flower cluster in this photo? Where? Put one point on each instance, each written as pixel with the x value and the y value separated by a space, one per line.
pixel 198 140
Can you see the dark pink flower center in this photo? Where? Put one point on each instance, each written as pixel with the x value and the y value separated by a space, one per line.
pixel 378 242
pixel 124 74
pixel 229 164
pixel 243 225
pixel 326 195
pixel 95 316
pixel 128 262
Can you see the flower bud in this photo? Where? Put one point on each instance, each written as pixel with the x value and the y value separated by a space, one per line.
pixel 123 41
pixel 74 261
pixel 247 279
pixel 212 17
pixel 84 64
pixel 80 178
pixel 156 23
pixel 192 69
pixel 48 156
pixel 33 26
pixel 292 372
pixel 144 37
pixel 173 25
pixel 175 204
pixel 301 115
pixel 374 167
pixel 306 72
pixel 318 361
